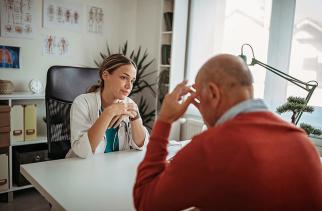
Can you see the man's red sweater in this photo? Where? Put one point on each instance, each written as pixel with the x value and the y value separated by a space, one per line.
pixel 255 161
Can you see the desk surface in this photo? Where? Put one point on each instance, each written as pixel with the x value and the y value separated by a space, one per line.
pixel 99 183
pixel 103 182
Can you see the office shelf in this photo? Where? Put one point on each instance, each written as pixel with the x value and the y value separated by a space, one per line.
pixel 22 98
pixel 39 140
pixel 15 188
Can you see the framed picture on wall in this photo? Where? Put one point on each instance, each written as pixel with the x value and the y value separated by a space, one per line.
pixel 63 14
pixel 17 18
pixel 9 57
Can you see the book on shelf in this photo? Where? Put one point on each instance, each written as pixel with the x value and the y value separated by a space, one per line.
pixel 165 54
pixel 168 16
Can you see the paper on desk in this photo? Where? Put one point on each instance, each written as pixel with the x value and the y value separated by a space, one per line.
pixel 175 146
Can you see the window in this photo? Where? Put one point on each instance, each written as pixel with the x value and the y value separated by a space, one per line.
pixel 230 24
pixel 267 26
pixel 248 22
pixel 306 55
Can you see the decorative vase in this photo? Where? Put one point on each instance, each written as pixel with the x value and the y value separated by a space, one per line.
pixel 6 87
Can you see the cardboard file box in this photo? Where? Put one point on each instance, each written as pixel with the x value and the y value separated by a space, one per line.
pixel 4 136
pixel 4 116
pixel 27 154
pixel 4 181
pixel 16 120
pixel 30 122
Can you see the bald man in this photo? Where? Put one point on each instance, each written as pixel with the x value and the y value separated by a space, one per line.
pixel 248 159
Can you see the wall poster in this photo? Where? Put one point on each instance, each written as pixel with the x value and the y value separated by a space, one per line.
pixel 62 14
pixel 17 18
pixel 9 57
pixel 56 46
pixel 95 19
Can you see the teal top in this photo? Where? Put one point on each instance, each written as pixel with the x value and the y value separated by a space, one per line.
pixel 112 140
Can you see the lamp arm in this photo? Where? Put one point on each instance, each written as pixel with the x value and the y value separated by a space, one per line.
pixel 307 86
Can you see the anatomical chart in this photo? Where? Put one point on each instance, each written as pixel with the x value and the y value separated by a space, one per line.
pixel 17 18
pixel 95 19
pixel 60 14
pixel 55 46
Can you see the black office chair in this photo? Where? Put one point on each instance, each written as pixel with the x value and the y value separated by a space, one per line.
pixel 63 85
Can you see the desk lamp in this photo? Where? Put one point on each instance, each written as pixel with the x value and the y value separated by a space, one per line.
pixel 307 86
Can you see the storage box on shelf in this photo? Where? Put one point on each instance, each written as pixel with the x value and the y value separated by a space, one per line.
pixel 4 125
pixel 4 145
pixel 27 154
pixel 25 132
pixel 4 170
pixel 17 129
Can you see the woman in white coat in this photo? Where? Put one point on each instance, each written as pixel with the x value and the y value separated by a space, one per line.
pixel 105 119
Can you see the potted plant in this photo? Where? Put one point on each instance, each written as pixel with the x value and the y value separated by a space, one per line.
pixel 296 105
pixel 141 83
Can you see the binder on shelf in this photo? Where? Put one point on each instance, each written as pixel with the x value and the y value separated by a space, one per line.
pixel 4 116
pixel 4 181
pixel 30 122
pixel 168 16
pixel 16 119
pixel 165 54
pixel 4 136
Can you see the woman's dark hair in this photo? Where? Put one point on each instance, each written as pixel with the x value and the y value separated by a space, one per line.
pixel 110 64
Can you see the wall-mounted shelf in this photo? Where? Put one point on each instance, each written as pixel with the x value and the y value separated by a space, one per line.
pixel 22 96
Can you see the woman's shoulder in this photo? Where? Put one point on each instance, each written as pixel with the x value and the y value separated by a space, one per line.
pixel 85 97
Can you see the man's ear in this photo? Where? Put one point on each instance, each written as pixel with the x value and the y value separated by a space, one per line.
pixel 213 94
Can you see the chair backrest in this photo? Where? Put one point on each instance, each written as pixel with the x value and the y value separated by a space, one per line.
pixel 63 85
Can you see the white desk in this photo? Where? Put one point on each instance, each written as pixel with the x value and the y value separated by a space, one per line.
pixel 103 182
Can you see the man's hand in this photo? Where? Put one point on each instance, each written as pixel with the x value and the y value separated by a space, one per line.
pixel 171 108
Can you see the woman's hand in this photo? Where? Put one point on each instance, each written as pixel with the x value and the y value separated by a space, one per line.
pixel 116 109
pixel 134 110
pixel 120 110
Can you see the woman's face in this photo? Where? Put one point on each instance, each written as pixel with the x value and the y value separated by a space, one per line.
pixel 120 83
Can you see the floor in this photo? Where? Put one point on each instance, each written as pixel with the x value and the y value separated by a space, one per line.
pixel 28 199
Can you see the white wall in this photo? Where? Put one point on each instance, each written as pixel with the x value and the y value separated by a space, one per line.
pixel 120 24
pixel 147 36
pixel 148 27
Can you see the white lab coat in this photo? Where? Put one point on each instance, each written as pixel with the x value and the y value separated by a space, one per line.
pixel 83 114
